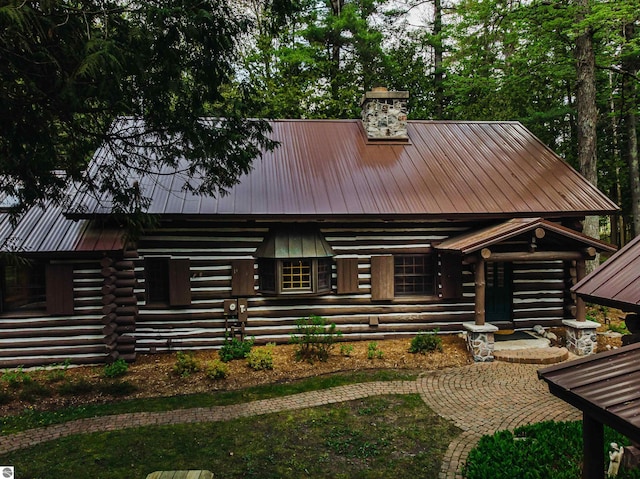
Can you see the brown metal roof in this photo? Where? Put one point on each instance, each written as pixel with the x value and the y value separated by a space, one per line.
pixel 327 168
pixel 606 386
pixel 617 281
pixel 46 230
pixel 483 238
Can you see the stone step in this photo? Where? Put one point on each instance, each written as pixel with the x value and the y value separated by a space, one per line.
pixel 549 355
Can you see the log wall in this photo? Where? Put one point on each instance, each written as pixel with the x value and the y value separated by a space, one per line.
pixel 113 320
pixel 202 324
pixel 34 339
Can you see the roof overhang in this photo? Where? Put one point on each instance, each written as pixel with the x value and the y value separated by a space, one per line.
pixel 294 242
pixel 478 240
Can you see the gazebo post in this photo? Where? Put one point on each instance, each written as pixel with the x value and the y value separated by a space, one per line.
pixel 593 449
pixel 481 288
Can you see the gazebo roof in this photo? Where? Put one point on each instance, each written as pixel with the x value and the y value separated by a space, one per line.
pixel 606 386
pixel 617 282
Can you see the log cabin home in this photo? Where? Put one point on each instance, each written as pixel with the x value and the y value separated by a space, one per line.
pixel 384 226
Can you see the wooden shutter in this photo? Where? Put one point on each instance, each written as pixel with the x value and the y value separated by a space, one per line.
pixel 179 282
pixel 347 270
pixel 242 277
pixel 59 289
pixel 382 277
pixel 451 275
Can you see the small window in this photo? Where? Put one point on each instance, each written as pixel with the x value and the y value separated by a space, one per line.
pixel 414 275
pixel 23 287
pixel 295 276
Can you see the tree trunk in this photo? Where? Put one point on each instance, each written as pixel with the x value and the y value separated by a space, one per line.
pixel 587 113
pixel 630 66
pixel 438 51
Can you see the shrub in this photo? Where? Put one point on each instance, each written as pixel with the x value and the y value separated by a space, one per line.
pixel 5 397
pixel 619 328
pixel 16 377
pixel 373 352
pixel 346 349
pixel 77 386
pixel 261 359
pixel 235 348
pixel 186 364
pixel 32 391
pixel 426 342
pixel 314 339
pixel 116 369
pixel 550 450
pixel 59 372
pixel 216 369
pixel 118 388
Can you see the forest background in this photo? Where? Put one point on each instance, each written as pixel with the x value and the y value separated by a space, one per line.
pixel 566 69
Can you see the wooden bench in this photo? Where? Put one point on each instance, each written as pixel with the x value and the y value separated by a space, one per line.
pixel 181 475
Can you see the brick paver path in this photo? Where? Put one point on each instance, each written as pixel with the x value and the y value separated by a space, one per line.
pixel 479 398
pixel 487 397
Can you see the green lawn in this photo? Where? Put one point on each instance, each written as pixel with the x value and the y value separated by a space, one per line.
pixel 380 437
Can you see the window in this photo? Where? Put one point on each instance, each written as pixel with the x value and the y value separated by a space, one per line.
pixel 168 281
pixel 156 271
pixel 295 276
pixel 414 275
pixel 23 287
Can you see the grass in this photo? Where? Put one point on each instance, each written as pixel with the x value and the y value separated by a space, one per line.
pixel 380 437
pixel 32 418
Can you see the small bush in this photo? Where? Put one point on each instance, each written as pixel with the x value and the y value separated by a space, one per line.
pixel 314 339
pixel 235 348
pixel 117 388
pixel 16 377
pixel 33 391
pixel 58 373
pixel 186 364
pixel 619 328
pixel 261 359
pixel 346 349
pixel 74 387
pixel 425 343
pixel 116 369
pixel 216 369
pixel 373 352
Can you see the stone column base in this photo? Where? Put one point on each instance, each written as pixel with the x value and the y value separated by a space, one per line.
pixel 480 341
pixel 581 336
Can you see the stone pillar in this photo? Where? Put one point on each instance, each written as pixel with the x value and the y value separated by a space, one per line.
pixel 480 341
pixel 581 336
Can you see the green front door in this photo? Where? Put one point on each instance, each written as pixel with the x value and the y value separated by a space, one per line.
pixel 499 292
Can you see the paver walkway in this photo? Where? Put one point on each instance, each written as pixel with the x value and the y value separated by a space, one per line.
pixel 479 398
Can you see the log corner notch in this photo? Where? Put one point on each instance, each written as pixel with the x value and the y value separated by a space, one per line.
pixel 120 307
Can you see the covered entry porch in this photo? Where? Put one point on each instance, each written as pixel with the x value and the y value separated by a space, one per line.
pixel 495 251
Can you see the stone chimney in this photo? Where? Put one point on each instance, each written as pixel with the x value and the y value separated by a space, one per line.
pixel 384 114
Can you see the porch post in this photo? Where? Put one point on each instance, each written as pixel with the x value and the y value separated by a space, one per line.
pixel 480 292
pixel 581 307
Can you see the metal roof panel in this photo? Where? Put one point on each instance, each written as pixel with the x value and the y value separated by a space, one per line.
pixel 328 167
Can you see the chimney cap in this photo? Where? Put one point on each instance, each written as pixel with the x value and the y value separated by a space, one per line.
pixel 383 94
